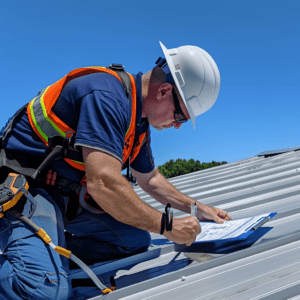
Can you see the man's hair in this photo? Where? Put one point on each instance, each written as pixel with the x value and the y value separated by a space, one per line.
pixel 158 76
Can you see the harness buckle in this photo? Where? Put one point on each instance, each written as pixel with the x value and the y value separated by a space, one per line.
pixel 118 67
pixel 14 187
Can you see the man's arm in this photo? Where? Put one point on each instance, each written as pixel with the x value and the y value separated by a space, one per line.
pixel 157 186
pixel 115 196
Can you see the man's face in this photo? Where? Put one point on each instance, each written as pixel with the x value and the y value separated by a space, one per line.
pixel 161 111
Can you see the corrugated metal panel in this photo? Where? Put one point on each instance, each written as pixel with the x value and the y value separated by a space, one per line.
pixel 272 152
pixel 269 269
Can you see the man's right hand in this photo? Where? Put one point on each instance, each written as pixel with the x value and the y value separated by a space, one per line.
pixel 184 230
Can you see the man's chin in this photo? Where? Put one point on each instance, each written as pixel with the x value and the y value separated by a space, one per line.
pixel 157 128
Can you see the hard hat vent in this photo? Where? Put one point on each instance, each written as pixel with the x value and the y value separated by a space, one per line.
pixel 180 78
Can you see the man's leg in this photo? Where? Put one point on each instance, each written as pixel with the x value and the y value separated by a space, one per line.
pixel 99 237
pixel 30 269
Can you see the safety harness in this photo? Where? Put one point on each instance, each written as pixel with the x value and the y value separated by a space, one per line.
pixel 47 125
pixel 14 187
pixel 60 138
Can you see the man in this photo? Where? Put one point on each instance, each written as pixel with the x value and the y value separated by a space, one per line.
pixel 94 114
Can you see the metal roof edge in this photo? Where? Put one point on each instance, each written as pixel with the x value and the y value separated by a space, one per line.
pixel 279 151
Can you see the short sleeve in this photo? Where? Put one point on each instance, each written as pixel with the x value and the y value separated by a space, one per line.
pixel 103 122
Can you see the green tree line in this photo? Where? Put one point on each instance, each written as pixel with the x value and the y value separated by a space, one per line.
pixel 181 166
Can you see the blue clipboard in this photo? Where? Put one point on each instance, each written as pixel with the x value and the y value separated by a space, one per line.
pixel 251 234
pixel 249 226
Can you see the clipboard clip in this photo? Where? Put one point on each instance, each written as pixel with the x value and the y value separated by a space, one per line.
pixel 261 223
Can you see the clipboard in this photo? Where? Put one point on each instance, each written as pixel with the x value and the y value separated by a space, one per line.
pixel 233 230
pixel 244 234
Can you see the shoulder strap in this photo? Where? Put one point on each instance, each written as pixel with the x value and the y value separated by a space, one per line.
pixel 9 126
pixel 119 69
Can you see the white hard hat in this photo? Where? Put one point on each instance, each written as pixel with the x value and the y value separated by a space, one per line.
pixel 196 76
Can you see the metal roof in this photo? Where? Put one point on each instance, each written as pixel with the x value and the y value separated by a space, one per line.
pixel 269 269
pixel 274 152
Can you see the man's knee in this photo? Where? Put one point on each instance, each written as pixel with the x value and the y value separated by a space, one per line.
pixel 138 242
pixel 144 240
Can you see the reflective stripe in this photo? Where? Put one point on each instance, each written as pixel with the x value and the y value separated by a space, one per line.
pixel 34 124
pixel 78 162
pixel 75 164
pixel 44 125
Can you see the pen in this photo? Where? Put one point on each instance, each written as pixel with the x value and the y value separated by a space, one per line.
pixel 194 209
pixel 261 223
pixel 169 213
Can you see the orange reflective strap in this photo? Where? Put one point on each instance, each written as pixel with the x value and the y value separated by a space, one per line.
pixel 50 96
pixel 55 89
pixel 137 147
pixel 129 138
pixel 48 99
pixel 75 164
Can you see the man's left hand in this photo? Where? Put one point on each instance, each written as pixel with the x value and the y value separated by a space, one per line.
pixel 207 213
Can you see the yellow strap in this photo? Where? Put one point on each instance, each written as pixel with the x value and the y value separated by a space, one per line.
pixel 62 251
pixel 106 291
pixel 1 215
pixel 45 237
pixel 9 204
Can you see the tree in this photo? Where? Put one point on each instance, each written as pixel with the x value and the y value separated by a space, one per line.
pixel 182 166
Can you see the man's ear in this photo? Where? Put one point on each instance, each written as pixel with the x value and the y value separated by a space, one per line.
pixel 164 89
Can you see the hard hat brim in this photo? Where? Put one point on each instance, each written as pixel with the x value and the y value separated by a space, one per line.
pixel 172 70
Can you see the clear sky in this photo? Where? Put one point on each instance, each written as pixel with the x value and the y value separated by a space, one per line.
pixel 255 43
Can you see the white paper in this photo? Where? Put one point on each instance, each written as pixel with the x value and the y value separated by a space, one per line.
pixel 211 231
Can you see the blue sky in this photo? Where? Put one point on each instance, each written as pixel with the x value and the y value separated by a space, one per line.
pixel 255 44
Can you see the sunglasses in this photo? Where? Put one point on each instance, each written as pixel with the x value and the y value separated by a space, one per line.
pixel 178 114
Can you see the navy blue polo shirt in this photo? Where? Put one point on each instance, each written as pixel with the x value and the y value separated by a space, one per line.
pixel 96 107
